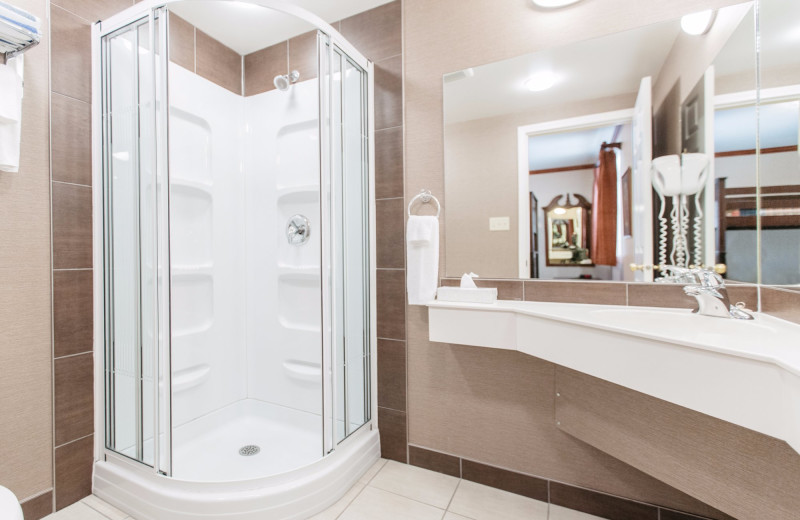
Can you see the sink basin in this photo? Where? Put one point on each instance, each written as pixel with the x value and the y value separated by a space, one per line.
pixel 686 326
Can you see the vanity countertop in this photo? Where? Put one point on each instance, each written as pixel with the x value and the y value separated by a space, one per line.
pixel 743 371
pixel 765 338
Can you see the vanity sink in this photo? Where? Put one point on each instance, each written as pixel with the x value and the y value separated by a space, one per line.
pixel 687 327
pixel 742 371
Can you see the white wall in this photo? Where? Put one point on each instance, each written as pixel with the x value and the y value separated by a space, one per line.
pixel 281 161
pixel 206 246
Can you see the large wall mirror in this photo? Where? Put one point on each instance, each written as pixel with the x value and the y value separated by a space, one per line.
pixel 657 129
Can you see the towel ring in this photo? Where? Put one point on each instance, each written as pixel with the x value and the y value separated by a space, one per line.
pixel 426 197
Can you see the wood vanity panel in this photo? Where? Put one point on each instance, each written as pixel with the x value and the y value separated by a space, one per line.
pixel 743 473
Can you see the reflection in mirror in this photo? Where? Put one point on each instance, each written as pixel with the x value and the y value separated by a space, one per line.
pixel 567 226
pixel 778 206
pixel 512 138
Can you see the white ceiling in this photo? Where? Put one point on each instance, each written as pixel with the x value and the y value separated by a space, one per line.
pixel 567 149
pixel 588 72
pixel 592 69
pixel 246 28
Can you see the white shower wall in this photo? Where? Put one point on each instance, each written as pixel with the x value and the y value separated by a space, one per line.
pixel 246 305
pixel 207 236
pixel 284 308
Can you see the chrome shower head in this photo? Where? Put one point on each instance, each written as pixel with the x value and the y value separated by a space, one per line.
pixel 284 81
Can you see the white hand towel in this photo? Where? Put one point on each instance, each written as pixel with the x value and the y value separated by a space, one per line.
pixel 10 114
pixel 422 271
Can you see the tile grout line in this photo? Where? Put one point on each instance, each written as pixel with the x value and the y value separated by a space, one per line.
pixel 366 484
pixel 72 442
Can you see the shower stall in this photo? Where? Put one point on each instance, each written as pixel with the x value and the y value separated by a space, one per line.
pixel 234 295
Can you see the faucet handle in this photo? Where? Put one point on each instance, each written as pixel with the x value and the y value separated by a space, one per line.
pixel 709 278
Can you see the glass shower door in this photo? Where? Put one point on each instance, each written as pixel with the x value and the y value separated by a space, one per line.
pixel 350 245
pixel 131 235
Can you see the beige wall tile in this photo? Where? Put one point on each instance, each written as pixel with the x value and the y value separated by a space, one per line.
pixel 93 10
pixel 25 348
pixel 743 473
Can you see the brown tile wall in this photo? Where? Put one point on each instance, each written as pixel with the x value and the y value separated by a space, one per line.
pixel 198 52
pixel 71 202
pixel 377 33
pixel 298 53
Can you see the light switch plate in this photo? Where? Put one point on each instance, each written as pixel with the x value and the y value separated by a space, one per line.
pixel 499 223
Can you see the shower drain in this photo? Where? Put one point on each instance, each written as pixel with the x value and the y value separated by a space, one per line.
pixel 249 450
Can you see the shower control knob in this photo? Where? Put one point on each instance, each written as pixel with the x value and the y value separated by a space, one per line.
pixel 298 230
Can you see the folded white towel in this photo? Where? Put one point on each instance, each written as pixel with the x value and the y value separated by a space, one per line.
pixel 422 250
pixel 421 229
pixel 10 114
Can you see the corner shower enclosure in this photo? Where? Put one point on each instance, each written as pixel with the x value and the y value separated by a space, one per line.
pixel 233 224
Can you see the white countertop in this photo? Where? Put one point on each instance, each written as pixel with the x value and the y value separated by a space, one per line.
pixel 743 371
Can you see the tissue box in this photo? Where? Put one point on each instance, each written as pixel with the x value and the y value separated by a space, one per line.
pixel 467 295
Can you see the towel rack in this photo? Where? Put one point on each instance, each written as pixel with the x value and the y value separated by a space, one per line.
pixel 19 30
pixel 425 196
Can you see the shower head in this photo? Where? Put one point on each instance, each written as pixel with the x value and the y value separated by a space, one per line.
pixel 284 81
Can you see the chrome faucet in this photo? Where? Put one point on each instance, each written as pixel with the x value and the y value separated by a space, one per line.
pixel 708 288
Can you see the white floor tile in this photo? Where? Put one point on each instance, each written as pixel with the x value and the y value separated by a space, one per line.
pixel 371 472
pixel 562 513
pixel 416 483
pixel 376 504
pixel 77 511
pixel 103 507
pixel 485 503
pixel 338 508
pixel 452 516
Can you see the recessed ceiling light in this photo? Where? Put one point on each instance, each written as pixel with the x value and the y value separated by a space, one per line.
pixel 554 3
pixel 540 81
pixel 697 23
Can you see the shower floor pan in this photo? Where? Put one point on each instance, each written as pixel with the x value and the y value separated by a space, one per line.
pixel 207 449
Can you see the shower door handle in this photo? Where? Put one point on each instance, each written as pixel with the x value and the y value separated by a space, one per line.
pixel 298 230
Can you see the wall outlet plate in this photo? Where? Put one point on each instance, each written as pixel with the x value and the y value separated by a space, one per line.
pixel 499 223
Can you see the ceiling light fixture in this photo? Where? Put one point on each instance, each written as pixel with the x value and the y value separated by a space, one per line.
pixel 698 23
pixel 552 4
pixel 540 81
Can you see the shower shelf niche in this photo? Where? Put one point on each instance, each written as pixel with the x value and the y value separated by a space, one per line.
pixel 191 184
pixel 189 377
pixel 300 193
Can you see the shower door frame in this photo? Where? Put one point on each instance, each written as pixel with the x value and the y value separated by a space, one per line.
pixel 132 15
